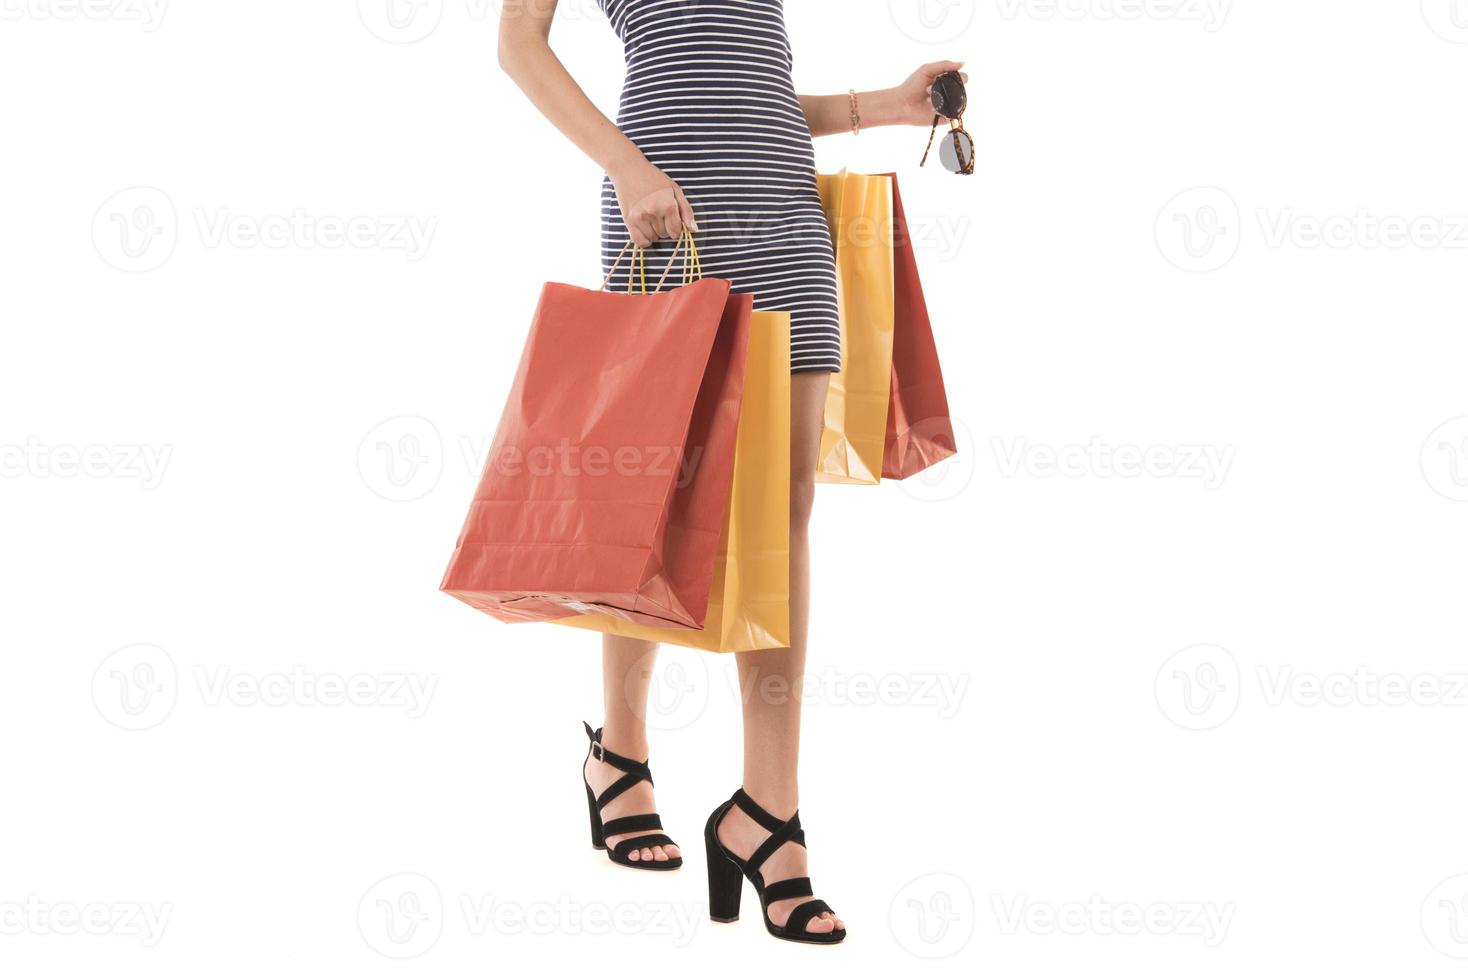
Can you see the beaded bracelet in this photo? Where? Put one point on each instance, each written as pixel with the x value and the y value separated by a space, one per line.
pixel 855 115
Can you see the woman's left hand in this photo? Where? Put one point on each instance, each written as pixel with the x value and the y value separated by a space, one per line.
pixel 914 102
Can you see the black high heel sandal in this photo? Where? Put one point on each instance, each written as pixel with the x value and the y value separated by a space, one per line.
pixel 725 870
pixel 636 772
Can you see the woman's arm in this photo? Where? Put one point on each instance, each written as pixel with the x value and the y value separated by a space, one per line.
pixel 653 206
pixel 909 104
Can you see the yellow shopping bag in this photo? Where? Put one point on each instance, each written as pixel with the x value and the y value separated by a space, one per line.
pixel 859 210
pixel 749 603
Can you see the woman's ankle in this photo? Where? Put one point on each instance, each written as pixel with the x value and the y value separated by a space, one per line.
pixel 628 743
pixel 779 798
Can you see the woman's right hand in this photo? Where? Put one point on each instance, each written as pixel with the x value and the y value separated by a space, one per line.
pixel 653 205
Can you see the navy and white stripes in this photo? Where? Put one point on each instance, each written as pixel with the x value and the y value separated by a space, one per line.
pixel 708 99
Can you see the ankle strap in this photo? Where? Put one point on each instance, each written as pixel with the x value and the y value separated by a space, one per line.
pixel 630 766
pixel 781 831
pixel 759 814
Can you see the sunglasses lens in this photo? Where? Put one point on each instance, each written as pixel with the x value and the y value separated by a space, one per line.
pixel 956 152
pixel 949 96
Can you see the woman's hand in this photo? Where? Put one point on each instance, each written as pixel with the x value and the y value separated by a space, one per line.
pixel 653 205
pixel 913 99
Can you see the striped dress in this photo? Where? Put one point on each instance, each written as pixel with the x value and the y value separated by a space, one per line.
pixel 708 99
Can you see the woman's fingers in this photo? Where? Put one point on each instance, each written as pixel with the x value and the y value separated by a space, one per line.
pixel 640 233
pixel 685 210
pixel 936 68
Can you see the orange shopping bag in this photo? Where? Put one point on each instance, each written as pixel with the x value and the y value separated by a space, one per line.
pixel 603 492
pixel 749 605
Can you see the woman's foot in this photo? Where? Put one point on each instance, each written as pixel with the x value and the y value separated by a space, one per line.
pixel 742 836
pixel 636 799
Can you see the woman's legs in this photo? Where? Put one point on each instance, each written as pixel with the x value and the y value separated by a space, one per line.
pixel 770 680
pixel 626 670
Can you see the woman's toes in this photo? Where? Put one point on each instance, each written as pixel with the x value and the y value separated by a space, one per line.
pixel 658 854
pixel 672 851
pixel 647 854
pixel 634 855
pixel 820 924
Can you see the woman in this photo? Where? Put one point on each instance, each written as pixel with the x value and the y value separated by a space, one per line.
pixel 711 137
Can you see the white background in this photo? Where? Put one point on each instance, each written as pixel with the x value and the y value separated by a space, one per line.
pixel 1067 717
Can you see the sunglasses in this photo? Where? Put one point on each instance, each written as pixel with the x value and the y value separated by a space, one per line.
pixel 956 151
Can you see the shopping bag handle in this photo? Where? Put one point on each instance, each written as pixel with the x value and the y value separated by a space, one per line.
pixel 692 267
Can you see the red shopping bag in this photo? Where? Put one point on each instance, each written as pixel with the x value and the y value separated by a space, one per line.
pixel 919 430
pixel 608 480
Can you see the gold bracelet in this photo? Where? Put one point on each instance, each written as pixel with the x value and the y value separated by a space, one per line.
pixel 855 115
